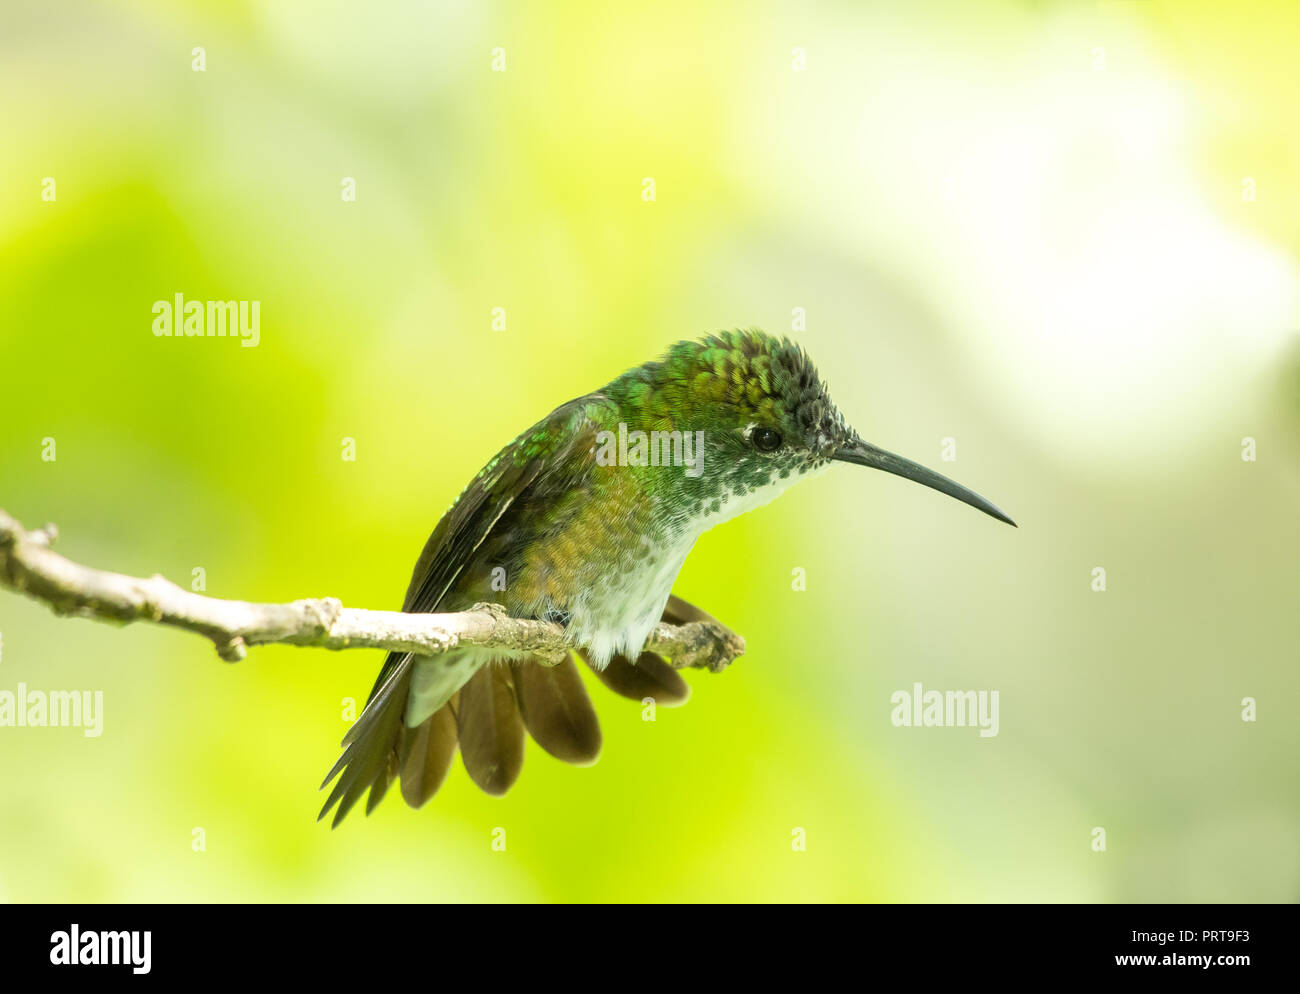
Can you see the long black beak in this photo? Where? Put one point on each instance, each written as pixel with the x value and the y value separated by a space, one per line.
pixel 861 453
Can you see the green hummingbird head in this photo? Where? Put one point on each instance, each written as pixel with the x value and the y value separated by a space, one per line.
pixel 764 418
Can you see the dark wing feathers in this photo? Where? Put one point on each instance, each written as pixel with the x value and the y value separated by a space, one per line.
pixel 374 740
pixel 371 757
pixel 462 530
pixel 470 520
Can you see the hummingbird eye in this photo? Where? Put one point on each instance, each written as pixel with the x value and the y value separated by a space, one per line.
pixel 766 439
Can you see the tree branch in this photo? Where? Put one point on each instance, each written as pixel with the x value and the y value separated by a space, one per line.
pixel 29 566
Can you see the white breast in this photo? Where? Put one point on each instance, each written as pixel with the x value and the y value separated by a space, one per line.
pixel 616 612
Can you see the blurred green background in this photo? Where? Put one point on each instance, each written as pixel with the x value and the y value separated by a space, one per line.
pixel 1064 235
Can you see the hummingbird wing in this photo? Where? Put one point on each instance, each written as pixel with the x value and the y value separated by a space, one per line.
pixel 378 740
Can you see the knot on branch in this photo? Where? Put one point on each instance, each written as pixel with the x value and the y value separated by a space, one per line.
pixel 45 536
pixel 321 612
pixel 232 650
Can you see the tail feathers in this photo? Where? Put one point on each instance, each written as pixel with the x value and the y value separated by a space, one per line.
pixel 490 728
pixel 427 753
pixel 649 676
pixel 680 612
pixel 557 711
pixel 488 719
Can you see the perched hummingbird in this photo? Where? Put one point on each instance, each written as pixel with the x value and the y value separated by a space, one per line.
pixel 588 517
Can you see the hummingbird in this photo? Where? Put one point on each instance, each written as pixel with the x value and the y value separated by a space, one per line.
pixel 585 520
